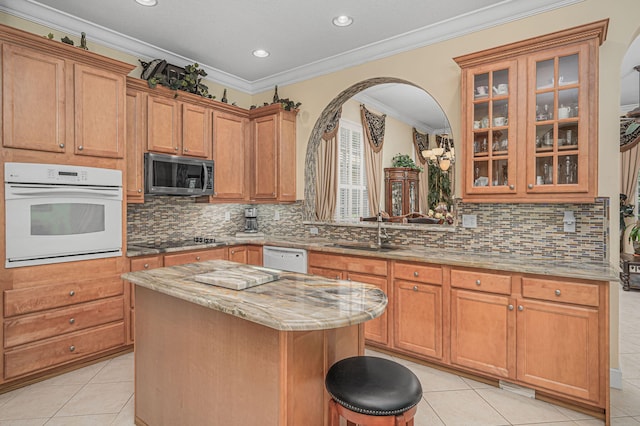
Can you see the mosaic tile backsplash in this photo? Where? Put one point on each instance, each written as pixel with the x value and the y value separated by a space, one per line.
pixel 534 230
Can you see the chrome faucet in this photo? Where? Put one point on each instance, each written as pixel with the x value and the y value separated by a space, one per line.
pixel 381 238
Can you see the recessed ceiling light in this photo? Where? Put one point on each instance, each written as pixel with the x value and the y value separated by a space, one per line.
pixel 147 2
pixel 260 53
pixel 342 21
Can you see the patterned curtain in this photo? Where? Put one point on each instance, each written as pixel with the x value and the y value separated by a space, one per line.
pixel 421 142
pixel 373 126
pixel 326 171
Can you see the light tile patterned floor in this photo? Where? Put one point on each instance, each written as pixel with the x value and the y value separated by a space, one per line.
pixel 102 394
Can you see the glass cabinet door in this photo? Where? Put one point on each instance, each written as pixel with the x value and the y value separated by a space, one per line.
pixel 492 128
pixel 557 120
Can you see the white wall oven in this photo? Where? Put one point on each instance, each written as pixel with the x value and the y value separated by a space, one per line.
pixel 61 213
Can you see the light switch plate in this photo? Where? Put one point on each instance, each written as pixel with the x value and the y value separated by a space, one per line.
pixel 227 216
pixel 313 230
pixel 469 221
pixel 276 215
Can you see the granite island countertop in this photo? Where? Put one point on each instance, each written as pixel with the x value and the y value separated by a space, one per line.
pixel 499 262
pixel 295 302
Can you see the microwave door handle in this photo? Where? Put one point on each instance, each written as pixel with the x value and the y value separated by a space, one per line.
pixel 206 178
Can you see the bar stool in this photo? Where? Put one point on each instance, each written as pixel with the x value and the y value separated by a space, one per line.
pixel 372 391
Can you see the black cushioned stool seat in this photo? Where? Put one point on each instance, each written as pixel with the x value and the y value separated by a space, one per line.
pixel 371 390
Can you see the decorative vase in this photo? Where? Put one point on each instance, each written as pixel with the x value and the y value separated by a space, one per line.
pixel 276 98
pixel 224 96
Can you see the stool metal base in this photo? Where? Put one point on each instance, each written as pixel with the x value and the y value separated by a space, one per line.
pixel 336 411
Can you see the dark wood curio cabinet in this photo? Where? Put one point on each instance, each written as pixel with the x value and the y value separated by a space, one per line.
pixel 401 190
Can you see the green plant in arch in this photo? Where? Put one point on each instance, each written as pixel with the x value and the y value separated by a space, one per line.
pixel 403 160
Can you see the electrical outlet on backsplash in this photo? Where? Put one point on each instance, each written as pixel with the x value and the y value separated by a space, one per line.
pixel 509 229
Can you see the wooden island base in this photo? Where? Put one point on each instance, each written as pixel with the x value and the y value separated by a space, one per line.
pixel 199 366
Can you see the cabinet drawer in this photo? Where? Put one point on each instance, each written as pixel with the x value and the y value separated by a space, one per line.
pixel 63 349
pixel 348 263
pixel 25 300
pixel 194 256
pixel 482 281
pixel 53 323
pixel 560 291
pixel 418 272
pixel 143 263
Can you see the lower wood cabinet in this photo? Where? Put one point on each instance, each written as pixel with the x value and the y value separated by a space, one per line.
pixel 139 264
pixel 195 256
pixel 254 255
pixel 483 332
pixel 238 254
pixel 361 269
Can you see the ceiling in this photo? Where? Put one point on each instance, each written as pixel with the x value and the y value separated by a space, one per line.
pixel 302 41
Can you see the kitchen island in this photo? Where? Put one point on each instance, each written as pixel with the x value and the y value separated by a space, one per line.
pixel 209 355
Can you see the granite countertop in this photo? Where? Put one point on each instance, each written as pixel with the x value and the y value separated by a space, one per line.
pixel 499 262
pixel 295 302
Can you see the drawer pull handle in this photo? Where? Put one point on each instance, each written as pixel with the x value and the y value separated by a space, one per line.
pixel 520 308
pixel 80 148
pixel 72 293
pixel 557 292
pixel 72 348
pixel 510 307
pixel 197 257
pixel 61 145
pixel 415 288
pixel 415 274
pixel 477 282
pixel 146 266
pixel 139 190
pixel 72 320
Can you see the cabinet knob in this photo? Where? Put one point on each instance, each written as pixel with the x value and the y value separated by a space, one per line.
pixel 215 194
pixel 337 277
pixel 348 278
pixel 139 190
pixel 186 150
pixel 146 266
pixel 415 288
pixel 415 274
pixel 557 292
pixel 61 145
pixel 72 293
pixel 512 187
pixel 530 186
pixel 233 252
pixel 72 348
pixel 510 307
pixel 520 308
pixel 477 282
pixel 72 320
pixel 80 148
pixel 175 148
pixel 197 257
pixel 273 194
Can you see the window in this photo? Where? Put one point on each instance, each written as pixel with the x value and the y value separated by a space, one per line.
pixel 352 199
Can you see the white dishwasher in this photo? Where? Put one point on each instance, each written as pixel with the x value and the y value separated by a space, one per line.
pixel 286 259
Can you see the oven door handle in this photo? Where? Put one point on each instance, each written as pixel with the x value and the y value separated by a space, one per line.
pixel 17 191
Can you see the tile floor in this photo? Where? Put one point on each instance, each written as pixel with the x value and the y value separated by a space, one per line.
pixel 102 394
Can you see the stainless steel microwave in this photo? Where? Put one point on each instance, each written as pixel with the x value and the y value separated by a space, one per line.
pixel 175 175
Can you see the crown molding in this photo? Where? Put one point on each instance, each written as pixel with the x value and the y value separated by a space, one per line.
pixel 500 13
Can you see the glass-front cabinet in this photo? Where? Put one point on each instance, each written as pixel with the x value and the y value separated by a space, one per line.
pixel 529 119
pixel 492 134
pixel 401 190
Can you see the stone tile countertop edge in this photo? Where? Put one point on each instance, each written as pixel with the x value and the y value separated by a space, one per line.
pixel 498 262
pixel 295 302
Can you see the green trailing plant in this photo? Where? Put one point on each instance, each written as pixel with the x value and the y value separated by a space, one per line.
pixel 190 82
pixel 403 160
pixel 439 187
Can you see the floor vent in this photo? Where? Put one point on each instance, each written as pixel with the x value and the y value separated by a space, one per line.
pixel 520 390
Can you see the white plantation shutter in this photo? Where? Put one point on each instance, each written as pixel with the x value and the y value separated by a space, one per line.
pixel 352 180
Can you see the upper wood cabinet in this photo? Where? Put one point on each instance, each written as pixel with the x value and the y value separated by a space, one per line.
pixel 230 156
pixel 61 99
pixel 135 145
pixel 178 128
pixel 528 119
pixel 273 176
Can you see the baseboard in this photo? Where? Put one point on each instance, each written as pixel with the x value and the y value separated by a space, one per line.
pixel 615 378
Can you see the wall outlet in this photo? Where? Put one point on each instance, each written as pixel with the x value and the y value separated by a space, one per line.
pixel 227 216
pixel 276 215
pixel 313 230
pixel 469 221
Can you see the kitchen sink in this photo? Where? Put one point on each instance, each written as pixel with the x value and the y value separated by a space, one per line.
pixel 365 246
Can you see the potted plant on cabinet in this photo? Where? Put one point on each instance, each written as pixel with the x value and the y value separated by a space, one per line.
pixel 634 237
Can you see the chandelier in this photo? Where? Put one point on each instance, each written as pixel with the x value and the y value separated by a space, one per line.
pixel 443 156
